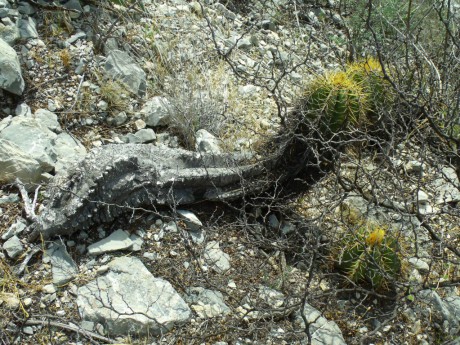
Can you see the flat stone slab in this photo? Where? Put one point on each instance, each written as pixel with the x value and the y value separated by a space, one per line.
pixel 63 268
pixel 118 240
pixel 130 300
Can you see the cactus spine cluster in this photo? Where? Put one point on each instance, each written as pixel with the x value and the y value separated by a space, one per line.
pixel 370 255
pixel 337 100
pixel 369 74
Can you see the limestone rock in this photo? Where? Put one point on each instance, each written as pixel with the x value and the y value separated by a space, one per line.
pixel 33 139
pixel 27 28
pixel 190 219
pixel 29 146
pixel 9 33
pixel 274 298
pixel 14 163
pixel 156 112
pixel 63 267
pixel 10 70
pixel 447 186
pixel 47 119
pixel 216 258
pixel 206 142
pixel 120 66
pixel 68 150
pixel 118 240
pixel 419 264
pixel 130 300
pixel 74 5
pixel 142 136
pixel 206 303
pixel 447 310
pixel 322 331
pixel 13 247
pixel 15 229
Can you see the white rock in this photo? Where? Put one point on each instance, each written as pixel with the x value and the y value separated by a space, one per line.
pixel 216 258
pixel 49 289
pixel 140 124
pixel 129 299
pixel 156 112
pixel 192 221
pixel 205 142
pixel 322 331
pixel 206 303
pixel 420 265
pixel 118 240
pixel 422 197
pixel 9 300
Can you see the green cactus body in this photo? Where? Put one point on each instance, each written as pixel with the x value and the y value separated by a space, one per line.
pixel 369 75
pixel 370 258
pixel 341 99
pixel 336 101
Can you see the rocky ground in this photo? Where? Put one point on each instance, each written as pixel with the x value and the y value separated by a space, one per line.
pixel 217 80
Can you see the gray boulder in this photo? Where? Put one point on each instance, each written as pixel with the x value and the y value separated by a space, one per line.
pixel 33 139
pixel 446 310
pixel 446 186
pixel 13 247
pixel 15 163
pixel 142 136
pixel 130 300
pixel 322 331
pixel 156 112
pixel 120 66
pixel 26 8
pixel 68 150
pixel 63 268
pixel 27 28
pixel 74 5
pixel 190 219
pixel 46 119
pixel 206 303
pixel 15 229
pixel 29 147
pixel 206 142
pixel 10 70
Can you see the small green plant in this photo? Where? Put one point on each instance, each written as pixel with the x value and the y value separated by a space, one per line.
pixel 369 255
pixel 335 100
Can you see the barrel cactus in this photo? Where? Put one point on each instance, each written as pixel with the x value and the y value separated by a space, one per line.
pixel 334 101
pixel 369 75
pixel 370 255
